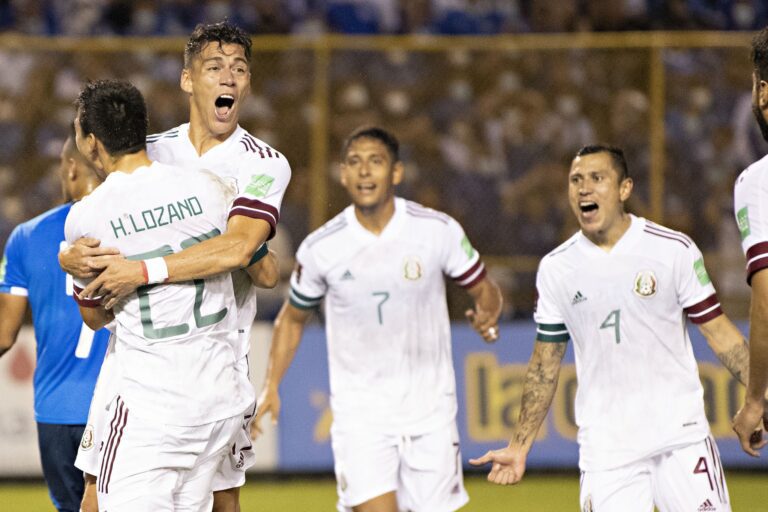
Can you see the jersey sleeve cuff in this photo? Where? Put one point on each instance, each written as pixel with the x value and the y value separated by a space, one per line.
pixel 552 333
pixel 757 259
pixel 705 310
pixel 86 303
pixel 472 276
pixel 256 209
pixel 19 291
pixel 302 301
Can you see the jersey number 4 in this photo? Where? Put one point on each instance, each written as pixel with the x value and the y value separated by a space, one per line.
pixel 613 320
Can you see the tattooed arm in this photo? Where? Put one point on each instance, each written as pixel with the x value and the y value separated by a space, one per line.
pixel 727 342
pixel 539 389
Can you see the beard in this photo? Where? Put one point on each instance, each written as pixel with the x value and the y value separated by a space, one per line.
pixel 761 122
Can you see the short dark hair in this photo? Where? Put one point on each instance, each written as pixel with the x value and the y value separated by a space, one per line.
pixel 222 33
pixel 759 54
pixel 616 154
pixel 373 132
pixel 115 113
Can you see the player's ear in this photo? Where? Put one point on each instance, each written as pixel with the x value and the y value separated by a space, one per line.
pixel 186 81
pixel 343 175
pixel 762 94
pixel 398 173
pixel 625 189
pixel 72 170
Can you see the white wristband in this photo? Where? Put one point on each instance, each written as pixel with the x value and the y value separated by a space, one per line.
pixel 157 270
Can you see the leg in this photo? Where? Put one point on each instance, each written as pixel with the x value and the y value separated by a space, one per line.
pixel 58 448
pixel 625 489
pixel 383 503
pixel 691 478
pixel 227 500
pixel 431 478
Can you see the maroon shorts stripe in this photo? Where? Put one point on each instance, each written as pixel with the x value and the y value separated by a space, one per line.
pixel 717 470
pixel 114 452
pixel 119 419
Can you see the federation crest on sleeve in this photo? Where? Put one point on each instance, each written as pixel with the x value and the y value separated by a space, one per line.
pixel 86 443
pixel 645 283
pixel 412 268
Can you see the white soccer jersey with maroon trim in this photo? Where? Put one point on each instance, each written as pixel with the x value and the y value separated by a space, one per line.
pixel 750 206
pixel 639 390
pixel 175 343
pixel 389 338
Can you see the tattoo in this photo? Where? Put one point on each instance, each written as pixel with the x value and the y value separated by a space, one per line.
pixel 737 361
pixel 539 388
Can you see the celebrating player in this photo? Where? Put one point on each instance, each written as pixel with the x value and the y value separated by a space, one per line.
pixel 380 264
pixel 216 78
pixel 621 288
pixel 69 353
pixel 750 193
pixel 180 397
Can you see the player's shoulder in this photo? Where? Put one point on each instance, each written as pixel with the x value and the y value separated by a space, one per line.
pixel 563 252
pixel 251 147
pixel 328 232
pixel 748 181
pixel 420 213
pixel 165 138
pixel 664 237
pixel 54 217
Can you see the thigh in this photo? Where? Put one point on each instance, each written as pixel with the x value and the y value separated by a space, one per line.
pixel 58 448
pixel 691 478
pixel 366 465
pixel 625 489
pixel 431 478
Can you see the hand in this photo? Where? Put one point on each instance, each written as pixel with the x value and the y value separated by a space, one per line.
pixel 508 465
pixel 268 401
pixel 747 425
pixel 119 279
pixel 84 259
pixel 485 323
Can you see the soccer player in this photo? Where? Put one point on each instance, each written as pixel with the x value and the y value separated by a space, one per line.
pixel 750 196
pixel 380 264
pixel 179 397
pixel 216 78
pixel 69 353
pixel 621 288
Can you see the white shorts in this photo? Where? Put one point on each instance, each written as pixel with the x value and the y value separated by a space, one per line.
pixel 686 478
pixel 425 471
pixel 154 466
pixel 231 473
pixel 105 391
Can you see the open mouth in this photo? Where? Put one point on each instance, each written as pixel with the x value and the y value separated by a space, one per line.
pixel 588 206
pixel 224 104
pixel 366 187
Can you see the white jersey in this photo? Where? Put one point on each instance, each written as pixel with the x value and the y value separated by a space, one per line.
pixel 261 175
pixel 639 391
pixel 389 337
pixel 176 343
pixel 750 205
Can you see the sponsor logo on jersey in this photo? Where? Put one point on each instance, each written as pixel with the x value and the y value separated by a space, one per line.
pixel 645 283
pixel 701 272
pixel 707 506
pixel 579 297
pixel 742 219
pixel 412 268
pixel 86 443
pixel 347 276
pixel 467 246
pixel 259 185
pixel 587 507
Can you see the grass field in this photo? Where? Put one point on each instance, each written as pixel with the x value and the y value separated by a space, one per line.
pixel 537 493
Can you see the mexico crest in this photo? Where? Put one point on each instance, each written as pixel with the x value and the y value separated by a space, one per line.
pixel 86 443
pixel 412 269
pixel 645 283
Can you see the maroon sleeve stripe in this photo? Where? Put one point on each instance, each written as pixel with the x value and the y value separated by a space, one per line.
pixel 471 277
pixel 469 272
pixel 86 303
pixel 757 259
pixel 705 310
pixel 256 210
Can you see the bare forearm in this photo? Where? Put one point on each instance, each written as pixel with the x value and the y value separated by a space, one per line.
pixel 538 391
pixel 12 309
pixel 285 341
pixel 265 273
pixel 487 296
pixel 758 359
pixel 729 345
pixel 97 317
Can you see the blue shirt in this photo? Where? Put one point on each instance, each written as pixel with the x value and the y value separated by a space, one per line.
pixel 69 354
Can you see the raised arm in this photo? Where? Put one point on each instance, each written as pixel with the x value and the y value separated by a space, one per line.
pixel 748 419
pixel 12 309
pixel 729 345
pixel 508 464
pixel 286 336
pixel 485 317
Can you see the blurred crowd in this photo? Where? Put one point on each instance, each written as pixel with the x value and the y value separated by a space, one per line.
pixel 487 136
pixel 176 17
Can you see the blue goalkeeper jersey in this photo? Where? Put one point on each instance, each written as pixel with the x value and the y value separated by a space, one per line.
pixel 69 354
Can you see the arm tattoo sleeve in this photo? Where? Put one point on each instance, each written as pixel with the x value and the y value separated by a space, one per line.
pixel 736 360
